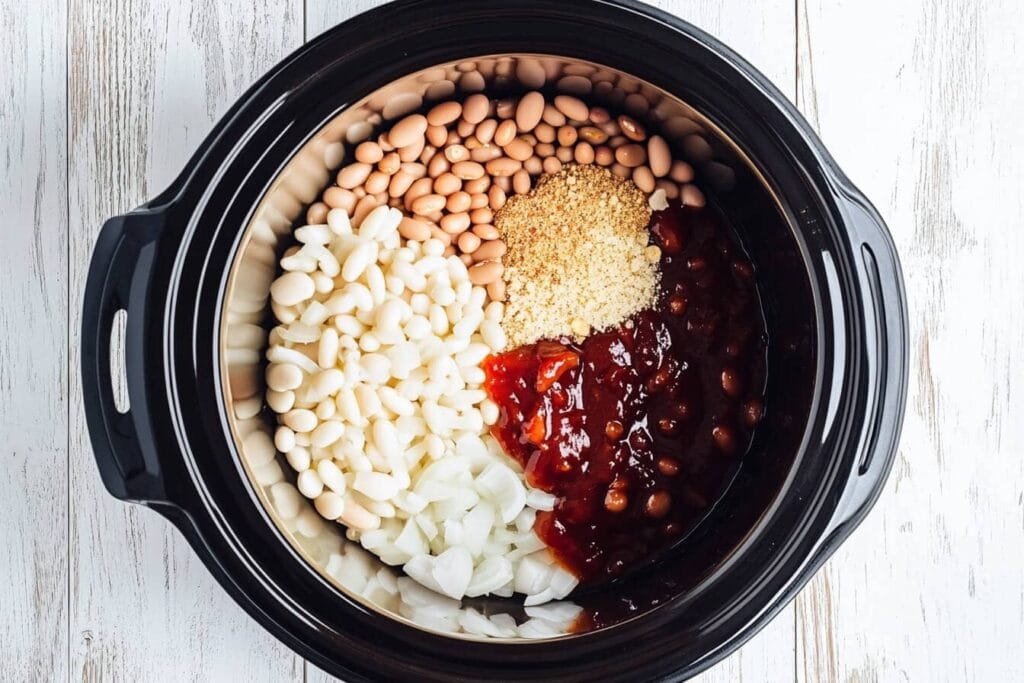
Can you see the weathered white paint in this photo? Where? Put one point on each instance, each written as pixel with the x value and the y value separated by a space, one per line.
pixel 919 102
pixel 33 338
pixel 103 102
pixel 146 82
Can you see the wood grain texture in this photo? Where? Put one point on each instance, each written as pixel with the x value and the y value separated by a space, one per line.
pixel 919 103
pixel 103 102
pixel 146 82
pixel 33 339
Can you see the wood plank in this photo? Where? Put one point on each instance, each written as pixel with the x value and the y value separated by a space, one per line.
pixel 147 81
pixel 33 339
pixel 767 38
pixel 920 102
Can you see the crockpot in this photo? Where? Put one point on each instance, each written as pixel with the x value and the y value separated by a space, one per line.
pixel 191 270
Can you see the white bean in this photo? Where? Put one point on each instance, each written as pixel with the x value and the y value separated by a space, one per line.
pixel 330 505
pixel 489 411
pixel 463 292
pixel 283 376
pixel 389 314
pixel 477 297
pixel 433 247
pixel 403 359
pixel 471 374
pixel 430 264
pixel 298 459
pixel 376 368
pixel 300 420
pixel 369 342
pixel 405 255
pixel 463 399
pixel 453 345
pixel 326 409
pixel 338 222
pixel 408 426
pixel 358 260
pixel 315 314
pixel 268 475
pixel 469 323
pixel 284 439
pixel 417 328
pixel 420 303
pixel 327 433
pixel 492 334
pixel 369 402
pixel 473 355
pixel 321 283
pixel 442 294
pixel 412 279
pixel 326 260
pixel 313 234
pixel 385 438
pixel 358 462
pixel 439 419
pixel 358 517
pixel 410 390
pixel 375 223
pixel 375 485
pixel 361 296
pixel 327 383
pixel 309 483
pixel 327 350
pixel 494 311
pixel 394 285
pixel 292 288
pixel 432 390
pixel 375 282
pixel 299 261
pixel 331 475
pixel 347 324
pixel 470 421
pixel 348 406
pixel 434 445
pixel 438 320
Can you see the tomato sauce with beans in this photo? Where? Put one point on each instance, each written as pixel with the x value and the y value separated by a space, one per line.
pixel 638 431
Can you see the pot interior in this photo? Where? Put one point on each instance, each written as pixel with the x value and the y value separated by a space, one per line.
pixel 729 179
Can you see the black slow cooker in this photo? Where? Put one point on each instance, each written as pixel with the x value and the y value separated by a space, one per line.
pixel 192 269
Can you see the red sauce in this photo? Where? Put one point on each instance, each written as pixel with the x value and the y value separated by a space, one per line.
pixel 639 430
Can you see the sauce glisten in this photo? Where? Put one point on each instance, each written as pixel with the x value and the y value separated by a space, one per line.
pixel 639 430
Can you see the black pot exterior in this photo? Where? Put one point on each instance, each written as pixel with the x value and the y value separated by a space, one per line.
pixel 166 265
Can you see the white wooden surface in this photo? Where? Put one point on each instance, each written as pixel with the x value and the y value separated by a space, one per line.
pixel 102 102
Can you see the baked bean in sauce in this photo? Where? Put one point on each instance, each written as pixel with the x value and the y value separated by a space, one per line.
pixel 639 430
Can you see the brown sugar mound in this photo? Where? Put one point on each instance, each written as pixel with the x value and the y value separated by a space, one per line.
pixel 578 258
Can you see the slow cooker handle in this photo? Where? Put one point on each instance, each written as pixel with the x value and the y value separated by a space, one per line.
pixel 885 359
pixel 118 279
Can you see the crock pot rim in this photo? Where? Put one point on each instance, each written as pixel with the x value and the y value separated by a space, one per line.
pixel 206 157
